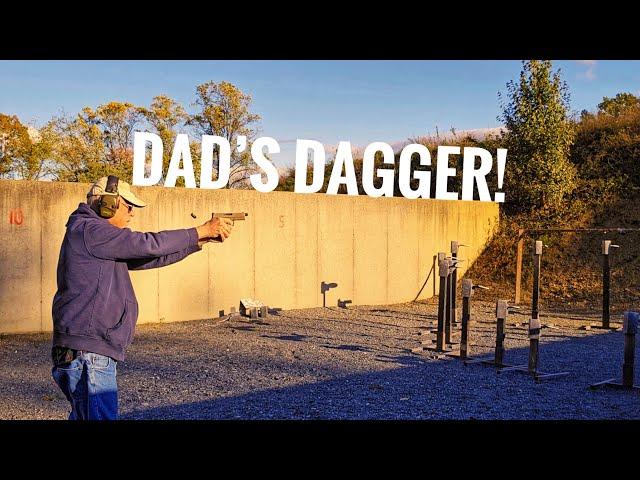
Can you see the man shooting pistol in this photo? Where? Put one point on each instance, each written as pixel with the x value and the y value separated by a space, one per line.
pixel 95 309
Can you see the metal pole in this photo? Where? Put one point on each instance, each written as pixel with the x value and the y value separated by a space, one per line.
pixel 501 317
pixel 606 284
pixel 454 281
pixel 631 320
pixel 441 257
pixel 443 268
pixel 324 288
pixel 447 324
pixel 467 291
pixel 434 274
pixel 519 264
pixel 630 330
pixel 534 323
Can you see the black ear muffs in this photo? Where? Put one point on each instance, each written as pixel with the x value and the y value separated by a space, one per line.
pixel 108 205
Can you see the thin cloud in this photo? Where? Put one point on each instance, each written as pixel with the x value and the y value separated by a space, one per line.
pixel 589 73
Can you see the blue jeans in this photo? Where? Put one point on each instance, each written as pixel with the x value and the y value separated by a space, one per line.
pixel 89 383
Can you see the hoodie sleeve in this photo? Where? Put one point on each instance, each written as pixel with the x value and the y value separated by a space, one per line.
pixel 108 242
pixel 163 261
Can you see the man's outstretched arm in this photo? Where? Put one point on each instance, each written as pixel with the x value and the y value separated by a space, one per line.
pixel 106 241
pixel 164 260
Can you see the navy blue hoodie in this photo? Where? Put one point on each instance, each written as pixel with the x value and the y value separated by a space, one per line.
pixel 95 307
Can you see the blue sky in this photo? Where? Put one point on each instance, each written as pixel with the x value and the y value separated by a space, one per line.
pixel 330 101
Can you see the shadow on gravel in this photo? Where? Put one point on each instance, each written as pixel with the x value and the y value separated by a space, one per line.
pixel 244 329
pixel 364 323
pixel 417 387
pixel 293 338
pixel 393 314
pixel 404 360
pixel 307 338
pixel 352 348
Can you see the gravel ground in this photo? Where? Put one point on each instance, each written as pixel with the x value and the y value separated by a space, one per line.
pixel 335 363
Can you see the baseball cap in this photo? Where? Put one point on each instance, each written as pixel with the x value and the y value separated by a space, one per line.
pixel 124 190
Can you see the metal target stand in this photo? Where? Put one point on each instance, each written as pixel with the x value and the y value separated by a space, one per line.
pixel 606 288
pixel 534 327
pixel 447 267
pixel 502 309
pixel 631 320
pixel 455 245
pixel 441 347
pixel 467 291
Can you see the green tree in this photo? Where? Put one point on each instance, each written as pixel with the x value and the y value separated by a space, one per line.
pixel 619 104
pixel 224 110
pixel 94 143
pixel 606 150
pixel 164 116
pixel 117 122
pixel 287 179
pixel 538 137
pixel 77 150
pixel 23 150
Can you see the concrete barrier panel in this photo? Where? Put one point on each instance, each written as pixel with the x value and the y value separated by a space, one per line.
pixel 336 246
pixel 443 232
pixel 466 234
pixel 275 249
pixel 183 288
pixel 370 250
pixel 403 274
pixel 427 247
pixel 20 258
pixel 307 283
pixel 232 263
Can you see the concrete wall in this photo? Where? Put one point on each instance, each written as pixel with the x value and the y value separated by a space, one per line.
pixel 379 251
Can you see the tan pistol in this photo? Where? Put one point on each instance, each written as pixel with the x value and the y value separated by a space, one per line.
pixel 231 216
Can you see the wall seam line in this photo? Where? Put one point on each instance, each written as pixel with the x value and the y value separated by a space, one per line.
pixel 295 249
pixel 387 282
pixel 317 248
pixel 353 248
pixel 157 269
pixel 41 272
pixel 253 202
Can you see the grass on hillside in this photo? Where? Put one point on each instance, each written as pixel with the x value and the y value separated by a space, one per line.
pixel 571 277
